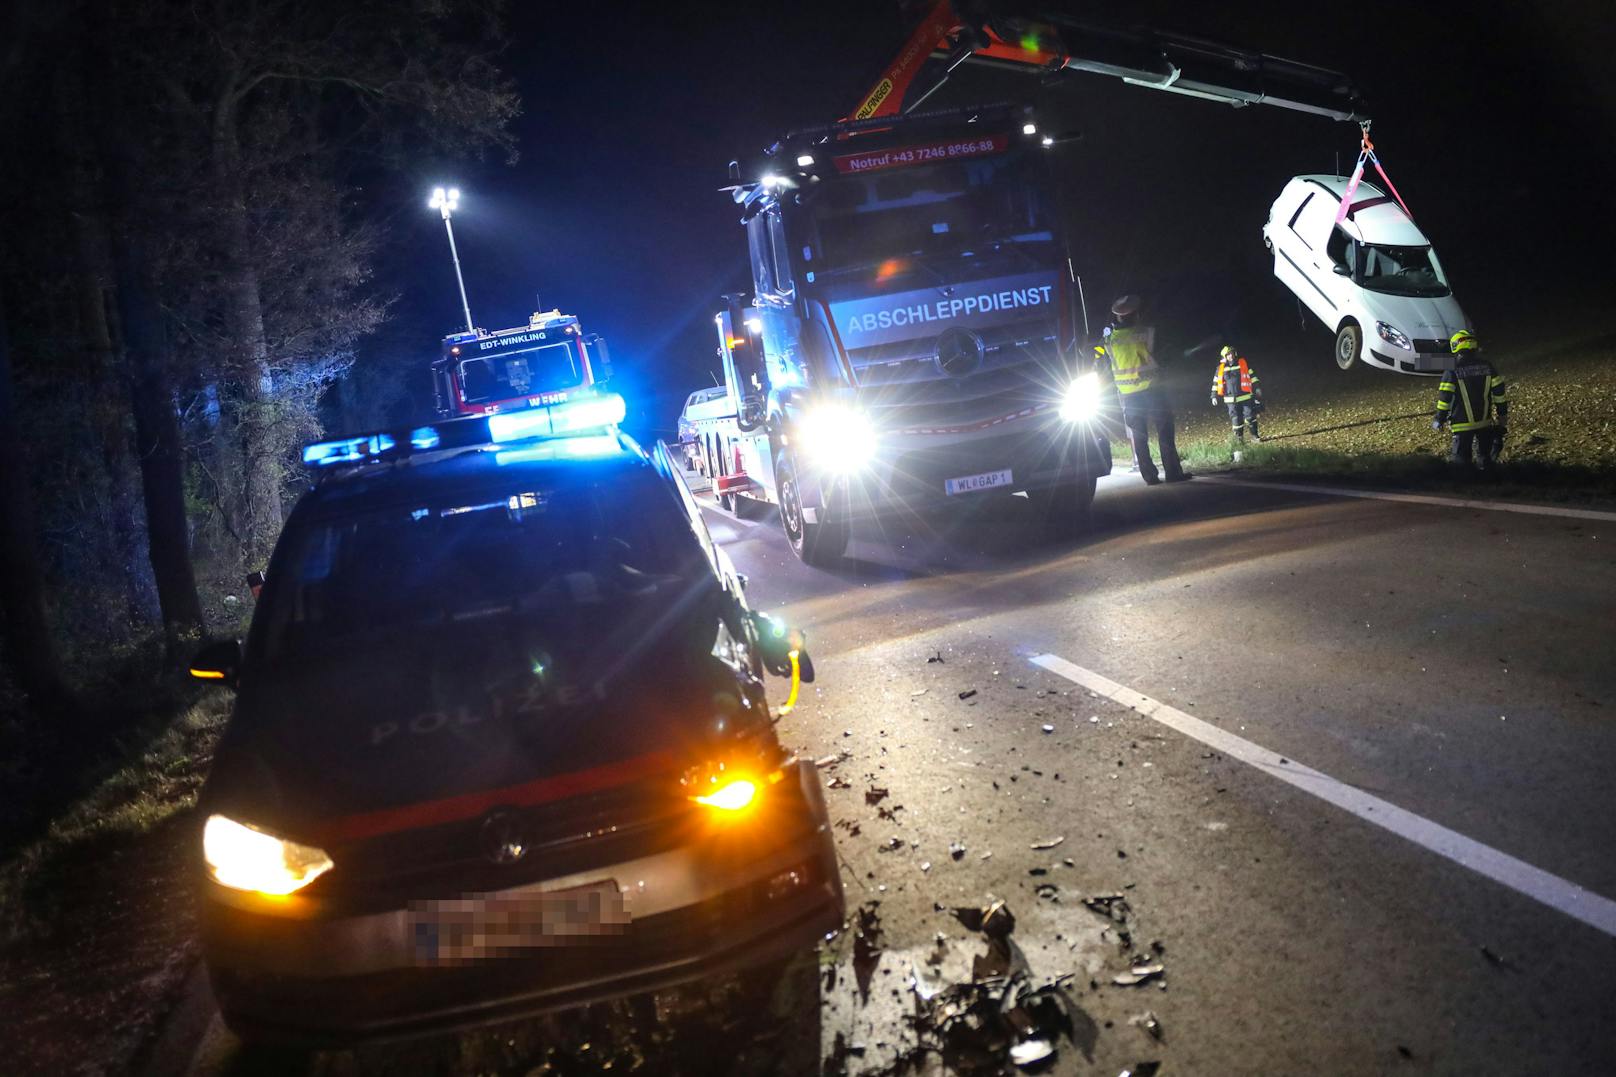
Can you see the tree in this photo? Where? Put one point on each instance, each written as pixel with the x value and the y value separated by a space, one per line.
pixel 29 651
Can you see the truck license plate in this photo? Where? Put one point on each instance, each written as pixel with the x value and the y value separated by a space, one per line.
pixel 481 926
pixel 969 484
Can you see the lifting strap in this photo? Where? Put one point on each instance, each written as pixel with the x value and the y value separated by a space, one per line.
pixel 1367 155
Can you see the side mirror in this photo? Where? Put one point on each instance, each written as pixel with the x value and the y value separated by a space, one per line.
pixel 776 640
pixel 1341 270
pixel 218 661
pixel 603 353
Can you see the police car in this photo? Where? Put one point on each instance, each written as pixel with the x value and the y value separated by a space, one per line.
pixel 500 743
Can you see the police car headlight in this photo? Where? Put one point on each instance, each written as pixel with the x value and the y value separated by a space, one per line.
pixel 837 438
pixel 1393 336
pixel 1082 400
pixel 243 858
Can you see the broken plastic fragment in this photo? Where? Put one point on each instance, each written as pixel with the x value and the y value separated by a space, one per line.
pixel 1138 974
pixel 1047 843
pixel 968 693
pixel 1031 1052
pixel 1149 1022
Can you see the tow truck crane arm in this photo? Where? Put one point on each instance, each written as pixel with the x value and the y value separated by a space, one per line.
pixel 958 31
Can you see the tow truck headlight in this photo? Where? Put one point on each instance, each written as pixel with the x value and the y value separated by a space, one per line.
pixel 243 858
pixel 1393 336
pixel 1082 400
pixel 837 438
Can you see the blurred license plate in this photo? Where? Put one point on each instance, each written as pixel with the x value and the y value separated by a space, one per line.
pixel 481 926
pixel 969 484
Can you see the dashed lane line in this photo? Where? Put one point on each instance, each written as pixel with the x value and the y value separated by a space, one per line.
pixel 1557 893
pixel 1418 499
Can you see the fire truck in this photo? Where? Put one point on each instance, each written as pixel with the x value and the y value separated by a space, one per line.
pixel 915 333
pixel 535 365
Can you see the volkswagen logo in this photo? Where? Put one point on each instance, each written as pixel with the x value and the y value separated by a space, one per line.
pixel 959 352
pixel 503 837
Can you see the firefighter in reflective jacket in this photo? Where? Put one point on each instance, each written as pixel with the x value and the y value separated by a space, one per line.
pixel 1470 396
pixel 1133 370
pixel 1235 383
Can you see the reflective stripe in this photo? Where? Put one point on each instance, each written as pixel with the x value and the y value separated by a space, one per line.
pixel 1127 350
pixel 1443 405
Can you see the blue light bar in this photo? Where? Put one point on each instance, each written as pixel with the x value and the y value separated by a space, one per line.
pixel 583 419
pixel 347 450
pixel 568 417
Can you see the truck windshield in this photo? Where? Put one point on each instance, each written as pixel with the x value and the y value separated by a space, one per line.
pixel 520 372
pixel 1412 271
pixel 936 213
pixel 577 560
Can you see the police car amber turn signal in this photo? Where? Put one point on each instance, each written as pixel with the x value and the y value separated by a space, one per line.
pixel 500 743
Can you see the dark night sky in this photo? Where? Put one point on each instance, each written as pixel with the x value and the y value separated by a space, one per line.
pixel 1497 128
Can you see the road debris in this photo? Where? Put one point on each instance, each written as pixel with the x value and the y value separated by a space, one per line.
pixel 937 657
pixel 998 1015
pixel 956 849
pixel 867 945
pixel 1138 974
pixel 968 693
pixel 1149 1022
pixel 1047 843
pixel 838 782
pixel 1047 728
pixel 1141 1069
pixel 875 794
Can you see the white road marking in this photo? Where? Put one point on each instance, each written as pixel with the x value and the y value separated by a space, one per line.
pixel 1562 894
pixel 1419 499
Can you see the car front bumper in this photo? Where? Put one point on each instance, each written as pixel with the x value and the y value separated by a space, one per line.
pixel 696 910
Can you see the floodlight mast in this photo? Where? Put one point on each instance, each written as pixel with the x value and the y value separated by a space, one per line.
pixel 446 202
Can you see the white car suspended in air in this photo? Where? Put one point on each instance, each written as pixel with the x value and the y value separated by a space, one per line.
pixel 1373 278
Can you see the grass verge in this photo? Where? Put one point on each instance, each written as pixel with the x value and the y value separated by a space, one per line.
pixel 154 782
pixel 1373 428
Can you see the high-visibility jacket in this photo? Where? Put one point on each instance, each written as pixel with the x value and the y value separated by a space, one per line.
pixel 1469 395
pixel 1234 381
pixel 1131 363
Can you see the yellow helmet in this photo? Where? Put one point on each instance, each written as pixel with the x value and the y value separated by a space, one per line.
pixel 1228 351
pixel 1462 341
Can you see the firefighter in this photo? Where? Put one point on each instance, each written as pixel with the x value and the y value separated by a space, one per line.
pixel 1235 383
pixel 1470 395
pixel 1133 370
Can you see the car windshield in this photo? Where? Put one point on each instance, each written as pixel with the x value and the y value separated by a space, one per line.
pixel 934 212
pixel 579 558
pixel 1397 270
pixel 509 374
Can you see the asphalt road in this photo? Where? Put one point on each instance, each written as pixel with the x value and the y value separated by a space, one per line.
pixel 1454 663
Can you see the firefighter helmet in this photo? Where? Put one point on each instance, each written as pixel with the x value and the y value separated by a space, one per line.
pixel 1125 305
pixel 1463 341
pixel 1228 351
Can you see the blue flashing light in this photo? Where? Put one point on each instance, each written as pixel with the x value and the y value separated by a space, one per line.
pixel 423 438
pixel 347 450
pixel 571 416
pixel 596 446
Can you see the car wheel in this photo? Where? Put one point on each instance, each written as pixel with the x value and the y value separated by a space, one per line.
pixel 1348 345
pixel 1067 506
pixel 819 544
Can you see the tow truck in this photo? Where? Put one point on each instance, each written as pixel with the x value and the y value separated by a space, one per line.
pixel 912 336
pixel 543 362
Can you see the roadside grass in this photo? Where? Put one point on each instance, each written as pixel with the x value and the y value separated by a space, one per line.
pixel 162 768
pixel 1370 428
